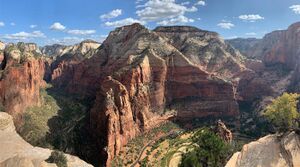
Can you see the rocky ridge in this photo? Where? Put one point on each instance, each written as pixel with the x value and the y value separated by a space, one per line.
pixel 15 152
pixel 271 150
pixel 137 74
pixel 22 66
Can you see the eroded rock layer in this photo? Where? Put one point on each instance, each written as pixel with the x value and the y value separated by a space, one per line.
pixel 21 78
pixel 139 73
pixel 272 151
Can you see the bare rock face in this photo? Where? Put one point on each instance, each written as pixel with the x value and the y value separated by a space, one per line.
pixel 223 132
pixel 204 49
pixel 21 80
pixel 58 50
pixel 274 63
pixel 147 74
pixel 112 116
pixel 2 45
pixel 15 152
pixel 66 57
pixel 272 151
pixel 245 46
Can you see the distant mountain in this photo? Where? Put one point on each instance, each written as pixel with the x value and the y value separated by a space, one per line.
pixel 83 47
pixel 130 80
pixel 244 45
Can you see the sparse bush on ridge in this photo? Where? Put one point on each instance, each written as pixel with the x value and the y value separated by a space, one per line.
pixel 58 158
pixel 282 112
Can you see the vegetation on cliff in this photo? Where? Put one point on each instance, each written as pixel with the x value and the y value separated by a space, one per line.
pixel 282 112
pixel 209 150
pixel 58 158
pixel 53 123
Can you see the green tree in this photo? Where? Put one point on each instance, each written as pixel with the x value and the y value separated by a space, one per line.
pixel 58 158
pixel 210 150
pixel 282 112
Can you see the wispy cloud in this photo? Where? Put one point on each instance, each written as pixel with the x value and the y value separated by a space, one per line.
pixel 251 34
pixel 2 24
pixel 24 35
pixel 33 26
pixel 226 25
pixel 201 3
pixel 295 8
pixel 113 14
pixel 157 10
pixel 251 17
pixel 81 32
pixel 57 26
pixel 12 24
pixel 176 20
pixel 123 22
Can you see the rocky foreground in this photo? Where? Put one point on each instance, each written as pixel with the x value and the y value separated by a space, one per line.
pixel 269 151
pixel 15 152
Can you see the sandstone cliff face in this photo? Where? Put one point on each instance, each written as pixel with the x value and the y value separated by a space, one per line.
pixel 271 151
pixel 204 49
pixel 15 152
pixel 21 79
pixel 147 74
pixel 65 57
pixel 58 50
pixel 245 46
pixel 274 64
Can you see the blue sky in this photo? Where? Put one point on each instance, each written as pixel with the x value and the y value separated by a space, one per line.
pixel 70 21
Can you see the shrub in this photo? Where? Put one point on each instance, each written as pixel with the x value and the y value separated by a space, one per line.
pixel 210 150
pixel 58 158
pixel 282 112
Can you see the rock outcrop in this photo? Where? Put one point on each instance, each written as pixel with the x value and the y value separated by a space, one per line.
pixel 274 63
pixel 245 45
pixel 57 50
pixel 138 73
pixel 223 132
pixel 21 79
pixel 271 151
pixel 66 57
pixel 15 152
pixel 204 49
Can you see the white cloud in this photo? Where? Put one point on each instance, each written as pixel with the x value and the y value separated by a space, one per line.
pixel 177 20
pixel 201 3
pixel 226 25
pixel 33 26
pixel 57 26
pixel 295 8
pixel 157 10
pixel 251 17
pixel 2 24
pixel 185 3
pixel 24 35
pixel 81 32
pixel 251 34
pixel 123 22
pixel 113 14
pixel 12 24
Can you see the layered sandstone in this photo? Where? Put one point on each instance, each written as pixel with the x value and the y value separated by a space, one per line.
pixel 245 46
pixel 21 79
pixel 15 152
pixel 272 151
pixel 274 63
pixel 57 50
pixel 204 49
pixel 138 74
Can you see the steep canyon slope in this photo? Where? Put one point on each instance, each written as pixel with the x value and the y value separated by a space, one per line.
pixel 140 74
